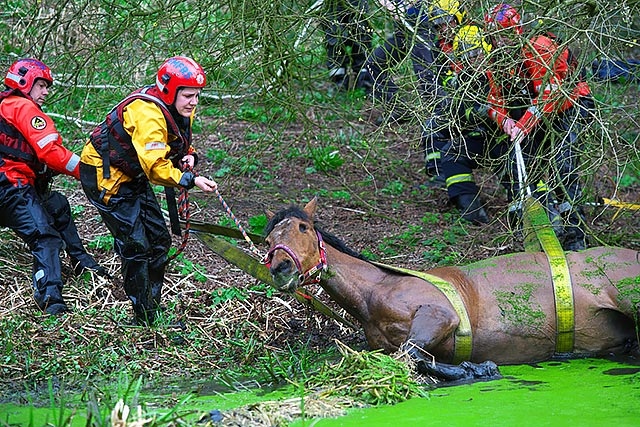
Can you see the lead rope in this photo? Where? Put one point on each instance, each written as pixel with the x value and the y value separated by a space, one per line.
pixel 185 214
pixel 237 222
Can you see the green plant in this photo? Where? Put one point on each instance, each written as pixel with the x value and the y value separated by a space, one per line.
pixel 257 223
pixel 293 362
pixel 222 295
pixel 216 155
pixel 186 267
pixel 102 242
pixel 325 159
pixel 393 188
pixel 370 377
pixel 341 195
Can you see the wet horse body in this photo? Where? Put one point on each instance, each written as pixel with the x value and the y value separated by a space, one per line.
pixel 509 299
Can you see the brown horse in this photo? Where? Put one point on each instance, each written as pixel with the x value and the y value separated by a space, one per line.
pixel 506 309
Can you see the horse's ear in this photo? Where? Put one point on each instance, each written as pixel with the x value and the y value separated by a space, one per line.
pixel 269 214
pixel 310 208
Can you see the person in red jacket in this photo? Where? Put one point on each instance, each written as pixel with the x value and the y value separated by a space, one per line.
pixel 145 139
pixel 31 152
pixel 547 121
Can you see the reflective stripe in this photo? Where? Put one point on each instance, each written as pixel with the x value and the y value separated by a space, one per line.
pixel 463 336
pixel 457 179
pixel 515 207
pixel 534 110
pixel 16 78
pixel 551 88
pixel 73 163
pixel 433 156
pixel 564 207
pixel 542 186
pixel 48 140
pixel 335 72
pixel 39 275
pixel 155 145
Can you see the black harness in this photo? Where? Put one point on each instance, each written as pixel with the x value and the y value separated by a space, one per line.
pixel 115 146
pixel 13 144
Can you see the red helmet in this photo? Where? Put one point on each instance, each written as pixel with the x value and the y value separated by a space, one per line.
pixel 178 72
pixel 504 16
pixel 24 72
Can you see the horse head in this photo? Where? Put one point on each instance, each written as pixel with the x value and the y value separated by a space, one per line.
pixel 296 253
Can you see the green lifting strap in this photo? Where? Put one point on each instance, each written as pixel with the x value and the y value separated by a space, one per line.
pixel 463 336
pixel 535 217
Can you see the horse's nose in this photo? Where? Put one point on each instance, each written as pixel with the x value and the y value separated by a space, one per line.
pixel 284 267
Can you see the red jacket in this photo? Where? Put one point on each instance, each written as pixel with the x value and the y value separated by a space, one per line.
pixel 546 70
pixel 44 141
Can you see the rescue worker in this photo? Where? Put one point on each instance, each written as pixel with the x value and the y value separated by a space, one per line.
pixel 473 137
pixel 348 42
pixel 144 140
pixel 412 37
pixel 445 17
pixel 31 153
pixel 549 125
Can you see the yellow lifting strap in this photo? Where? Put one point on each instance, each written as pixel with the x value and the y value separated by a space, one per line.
pixel 463 337
pixel 621 206
pixel 536 219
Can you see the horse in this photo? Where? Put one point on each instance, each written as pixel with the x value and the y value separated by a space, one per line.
pixel 463 321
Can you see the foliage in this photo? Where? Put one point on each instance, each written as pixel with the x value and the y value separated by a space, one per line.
pixel 372 377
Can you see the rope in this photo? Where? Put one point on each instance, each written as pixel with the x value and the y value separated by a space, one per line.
pixel 237 222
pixel 522 171
pixel 185 214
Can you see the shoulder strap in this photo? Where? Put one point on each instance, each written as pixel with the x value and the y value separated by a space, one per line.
pixel 463 335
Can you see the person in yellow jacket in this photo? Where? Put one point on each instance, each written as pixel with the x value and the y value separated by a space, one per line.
pixel 144 140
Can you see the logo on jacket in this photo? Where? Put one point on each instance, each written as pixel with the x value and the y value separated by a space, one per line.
pixel 38 123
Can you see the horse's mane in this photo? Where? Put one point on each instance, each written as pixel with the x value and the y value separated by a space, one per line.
pixel 330 239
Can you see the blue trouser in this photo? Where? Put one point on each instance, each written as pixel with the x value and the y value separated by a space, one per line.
pixel 460 157
pixel 391 53
pixel 24 212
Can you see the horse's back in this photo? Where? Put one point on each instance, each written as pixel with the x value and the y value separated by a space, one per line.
pixel 512 302
pixel 608 264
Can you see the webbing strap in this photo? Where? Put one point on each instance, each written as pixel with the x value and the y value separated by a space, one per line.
pixel 536 215
pixel 463 334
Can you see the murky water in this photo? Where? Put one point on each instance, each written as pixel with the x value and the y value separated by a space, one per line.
pixel 581 392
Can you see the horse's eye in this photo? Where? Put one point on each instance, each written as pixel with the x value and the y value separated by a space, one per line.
pixel 303 228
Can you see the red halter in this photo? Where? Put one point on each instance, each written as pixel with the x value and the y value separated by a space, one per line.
pixel 308 276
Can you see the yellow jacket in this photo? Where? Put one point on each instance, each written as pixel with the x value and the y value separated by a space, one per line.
pixel 144 121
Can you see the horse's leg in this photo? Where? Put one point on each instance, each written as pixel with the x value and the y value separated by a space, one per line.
pixel 430 327
pixel 464 371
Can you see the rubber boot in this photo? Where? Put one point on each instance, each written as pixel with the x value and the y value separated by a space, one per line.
pixel 81 260
pixel 49 299
pixel 47 276
pixel 137 286
pixel 574 237
pixel 364 81
pixel 341 81
pixel 471 208
pixel 156 276
pixel 396 116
